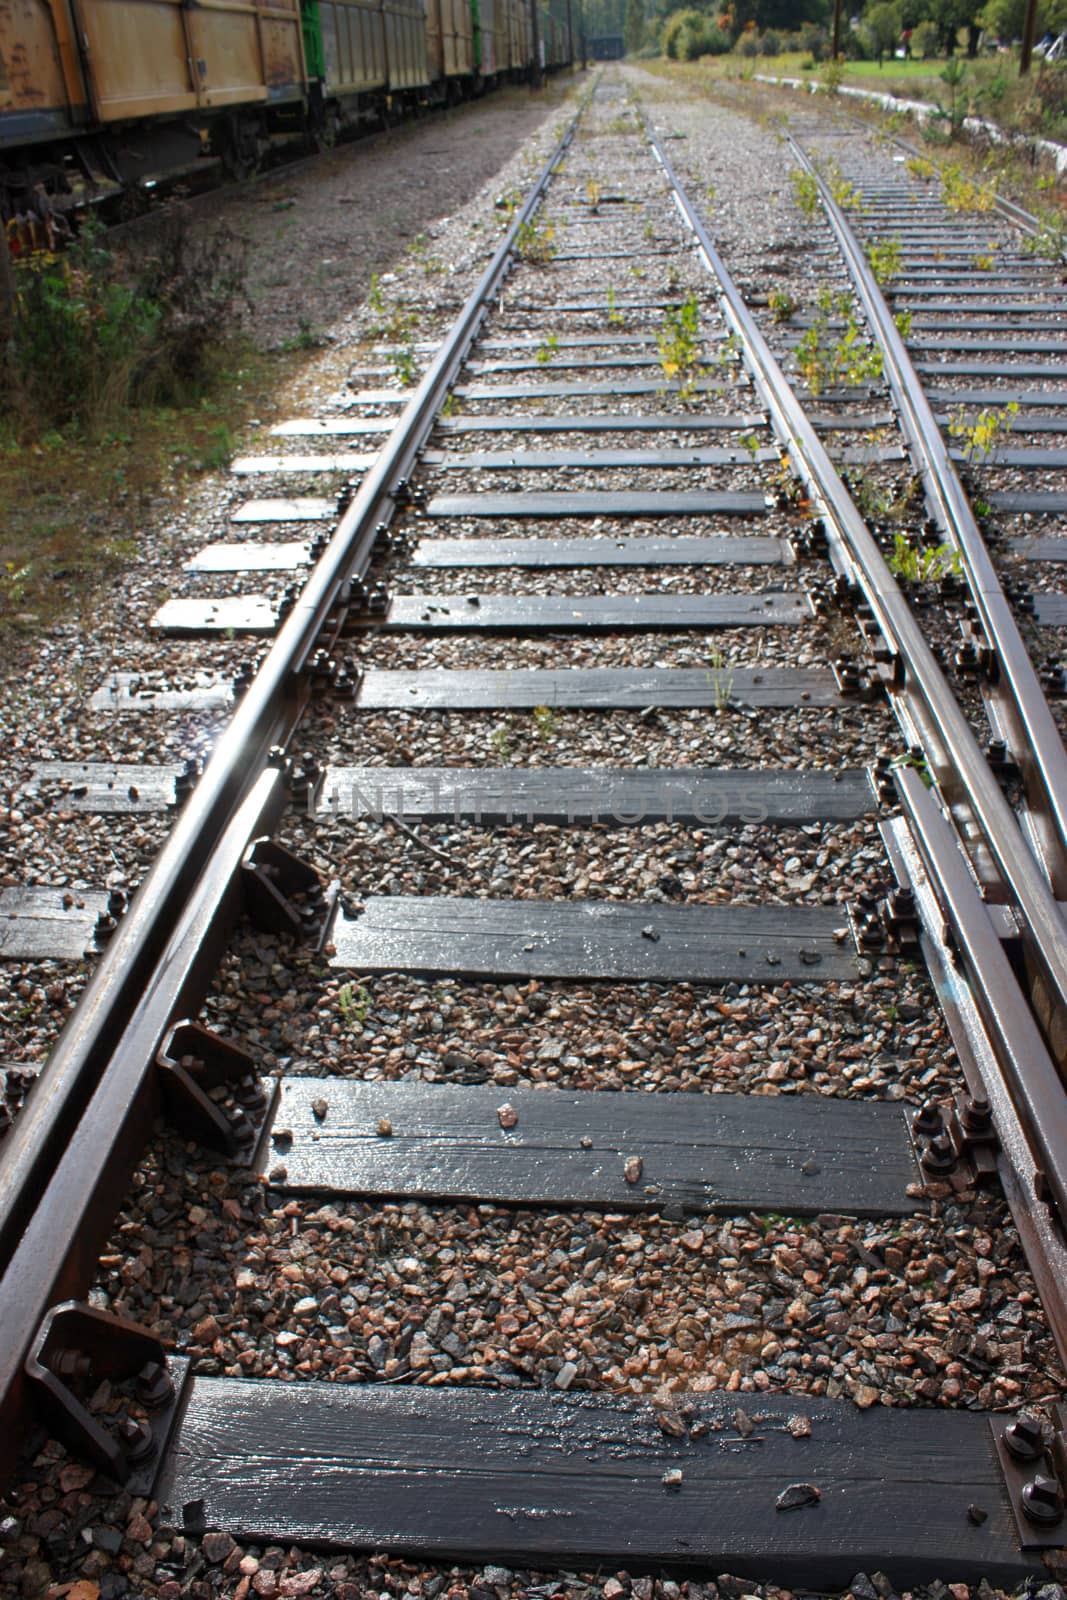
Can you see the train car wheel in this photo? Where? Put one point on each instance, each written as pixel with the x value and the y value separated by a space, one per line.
pixel 239 147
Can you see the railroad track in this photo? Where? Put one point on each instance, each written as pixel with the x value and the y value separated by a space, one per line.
pixel 600 599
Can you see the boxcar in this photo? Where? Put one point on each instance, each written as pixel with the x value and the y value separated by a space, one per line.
pixel 128 88
pixel 450 40
pixel 72 64
pixel 369 48
pixel 81 75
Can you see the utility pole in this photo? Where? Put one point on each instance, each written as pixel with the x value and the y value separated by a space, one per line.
pixel 1029 29
pixel 7 289
pixel 835 47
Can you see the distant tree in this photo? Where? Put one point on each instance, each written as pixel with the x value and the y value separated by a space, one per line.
pixel 1004 18
pixel 604 16
pixel 881 28
pixel 634 31
pixel 782 15
pixel 950 16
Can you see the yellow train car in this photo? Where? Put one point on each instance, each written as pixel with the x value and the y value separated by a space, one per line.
pixel 70 64
pixel 126 89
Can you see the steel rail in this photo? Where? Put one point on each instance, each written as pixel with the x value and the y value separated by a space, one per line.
pixel 1027 721
pixel 1010 210
pixel 1044 929
pixel 55 1258
pixel 135 963
pixel 1017 1075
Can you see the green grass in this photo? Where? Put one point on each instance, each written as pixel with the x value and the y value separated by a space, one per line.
pixel 866 73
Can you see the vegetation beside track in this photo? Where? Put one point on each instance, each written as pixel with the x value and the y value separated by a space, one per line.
pixel 987 87
pixel 962 165
pixel 120 375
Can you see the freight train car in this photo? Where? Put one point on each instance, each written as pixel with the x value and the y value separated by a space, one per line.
pixel 363 55
pixel 73 72
pixel 127 89
pixel 450 45
pixel 557 49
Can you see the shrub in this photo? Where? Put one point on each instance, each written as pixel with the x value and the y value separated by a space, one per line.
pixel 924 40
pixel 770 44
pixel 94 334
pixel 687 35
pixel 677 23
pixel 812 41
pixel 1051 89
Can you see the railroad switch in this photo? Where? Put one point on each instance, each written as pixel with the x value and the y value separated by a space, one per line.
pixel 290 595
pixel 108 920
pixel 306 779
pixel 810 542
pixel 321 669
pixel 345 498
pixel 405 495
pixel 846 593
pixel 186 780
pixel 245 674
pixel 1004 767
pixel 950 587
pixel 1033 1459
pixel 282 893
pixel 975 656
pixel 881 775
pixel 387 543
pixel 78 1347
pixel 211 1090
pixel 328 675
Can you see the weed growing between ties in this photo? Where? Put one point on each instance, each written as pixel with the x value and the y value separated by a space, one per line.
pixel 979 435
pixel 782 306
pixel 917 563
pixel 827 356
pixel 679 346
pixel 805 191
pixel 1050 240
pixel 536 242
pixel 884 257
pixel 117 375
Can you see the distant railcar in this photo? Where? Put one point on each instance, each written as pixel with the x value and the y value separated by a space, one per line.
pixel 450 43
pixel 557 43
pixel 362 53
